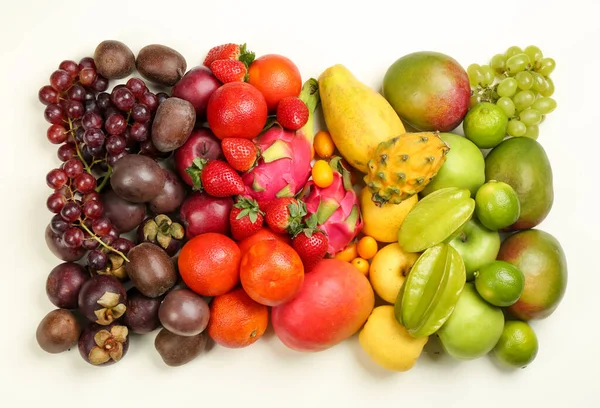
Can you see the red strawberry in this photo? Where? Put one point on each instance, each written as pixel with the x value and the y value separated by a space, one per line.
pixel 216 177
pixel 226 70
pixel 241 154
pixel 311 244
pixel 245 218
pixel 292 113
pixel 229 51
pixel 284 215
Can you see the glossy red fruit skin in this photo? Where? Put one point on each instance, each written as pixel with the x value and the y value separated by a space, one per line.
pixel 201 143
pixel 201 213
pixel 196 87
pixel 237 109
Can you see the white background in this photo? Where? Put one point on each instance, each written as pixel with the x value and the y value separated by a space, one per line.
pixel 367 38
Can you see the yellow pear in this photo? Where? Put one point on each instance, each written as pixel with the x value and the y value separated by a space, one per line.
pixel 388 270
pixel 357 117
pixel 383 223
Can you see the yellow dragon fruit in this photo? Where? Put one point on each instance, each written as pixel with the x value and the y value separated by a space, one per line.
pixel 336 208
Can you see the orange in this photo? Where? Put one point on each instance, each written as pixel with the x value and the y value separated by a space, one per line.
pixel 361 264
pixel 271 272
pixel 322 174
pixel 367 247
pixel 261 235
pixel 323 144
pixel 236 320
pixel 276 77
pixel 209 264
pixel 347 254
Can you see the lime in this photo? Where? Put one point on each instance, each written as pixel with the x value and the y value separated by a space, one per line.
pixel 500 283
pixel 497 205
pixel 518 344
pixel 485 125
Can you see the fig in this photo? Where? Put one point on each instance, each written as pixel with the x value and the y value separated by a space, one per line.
pixel 137 178
pixel 184 312
pixel 163 232
pixel 141 315
pixel 171 196
pixel 201 213
pixel 151 269
pixel 176 350
pixel 58 331
pixel 64 283
pixel 161 64
pixel 196 87
pixel 59 248
pixel 102 299
pixel 202 143
pixel 113 59
pixel 124 215
pixel 174 121
pixel 104 345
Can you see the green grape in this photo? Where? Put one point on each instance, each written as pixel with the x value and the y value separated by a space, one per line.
pixel 474 101
pixel 550 90
pixel 524 80
pixel 507 105
pixel 516 128
pixel 532 132
pixel 475 74
pixel 539 82
pixel 517 63
pixel 523 100
pixel 534 53
pixel 530 117
pixel 488 75
pixel 546 66
pixel 498 63
pixel 544 105
pixel 514 50
pixel 507 87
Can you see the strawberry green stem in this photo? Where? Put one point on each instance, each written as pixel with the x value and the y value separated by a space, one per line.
pixel 310 96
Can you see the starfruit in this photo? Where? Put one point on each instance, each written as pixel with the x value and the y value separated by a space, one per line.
pixel 436 218
pixel 431 290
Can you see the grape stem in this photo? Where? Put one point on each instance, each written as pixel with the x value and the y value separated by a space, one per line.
pixel 121 254
pixel 105 180
pixel 85 165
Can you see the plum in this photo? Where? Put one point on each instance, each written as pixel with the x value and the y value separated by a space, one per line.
pixel 58 331
pixel 59 248
pixel 141 315
pixel 102 299
pixel 176 350
pixel 163 232
pixel 196 87
pixel 201 213
pixel 64 283
pixel 201 143
pixel 104 345
pixel 171 196
pixel 137 178
pixel 151 269
pixel 124 215
pixel 160 64
pixel 174 121
pixel 184 312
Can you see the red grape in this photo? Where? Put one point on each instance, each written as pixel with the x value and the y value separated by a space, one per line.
pixel 115 144
pixel 111 236
pixel 71 67
pixel 56 134
pixel 71 211
pixel 73 167
pixel 101 226
pixel 85 182
pixel 58 225
pixel 56 202
pixel 123 245
pixel 97 260
pixel 76 93
pixel 115 124
pixel 137 87
pixel 60 80
pixel 122 98
pixel 87 62
pixel 93 209
pixel 91 196
pixel 55 114
pixel 139 132
pixel 66 152
pixel 87 76
pixel 75 109
pixel 150 100
pixel 103 101
pixel 100 84
pixel 90 243
pixel 48 95
pixel 73 237
pixel 91 120
pixel 93 137
pixel 56 178
pixel 140 113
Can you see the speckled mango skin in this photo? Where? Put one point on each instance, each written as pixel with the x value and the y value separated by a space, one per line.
pixel 430 91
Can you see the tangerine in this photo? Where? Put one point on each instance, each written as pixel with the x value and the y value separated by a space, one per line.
pixel 262 235
pixel 276 77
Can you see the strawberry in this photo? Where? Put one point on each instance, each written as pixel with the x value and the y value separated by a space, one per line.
pixel 241 154
pixel 216 177
pixel 245 218
pixel 311 244
pixel 226 70
pixel 284 215
pixel 292 113
pixel 229 52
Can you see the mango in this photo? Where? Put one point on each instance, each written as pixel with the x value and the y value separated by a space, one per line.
pixel 542 260
pixel 522 163
pixel 357 117
pixel 428 90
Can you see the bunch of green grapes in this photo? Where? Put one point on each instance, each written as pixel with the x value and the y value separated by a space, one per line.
pixel 518 81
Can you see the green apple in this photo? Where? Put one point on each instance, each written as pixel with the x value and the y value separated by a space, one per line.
pixel 464 166
pixel 476 245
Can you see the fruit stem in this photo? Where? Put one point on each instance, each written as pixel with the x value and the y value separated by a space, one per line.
pixel 85 165
pixel 121 254
pixel 105 179
pixel 310 96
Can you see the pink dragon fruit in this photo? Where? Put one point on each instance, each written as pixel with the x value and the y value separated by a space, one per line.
pixel 336 208
pixel 284 165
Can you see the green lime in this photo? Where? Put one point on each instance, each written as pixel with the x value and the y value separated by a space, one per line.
pixel 485 125
pixel 518 344
pixel 497 205
pixel 500 283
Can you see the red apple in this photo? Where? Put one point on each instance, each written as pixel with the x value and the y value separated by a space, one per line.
pixel 201 143
pixel 196 87
pixel 202 213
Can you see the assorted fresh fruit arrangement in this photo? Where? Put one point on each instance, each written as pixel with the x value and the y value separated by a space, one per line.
pixel 210 211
